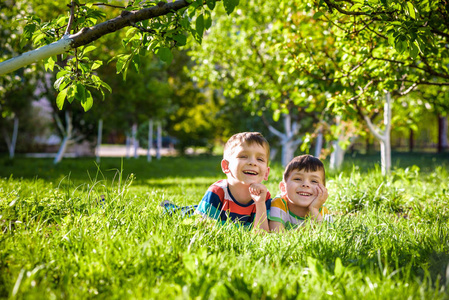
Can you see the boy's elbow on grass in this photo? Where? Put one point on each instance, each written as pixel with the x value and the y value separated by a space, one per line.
pixel 276 226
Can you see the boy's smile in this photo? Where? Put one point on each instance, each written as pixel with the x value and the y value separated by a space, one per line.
pixel 247 164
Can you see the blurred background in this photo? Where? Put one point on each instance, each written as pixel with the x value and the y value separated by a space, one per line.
pixel 300 77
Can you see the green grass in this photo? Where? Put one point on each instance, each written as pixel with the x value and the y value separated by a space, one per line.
pixel 390 238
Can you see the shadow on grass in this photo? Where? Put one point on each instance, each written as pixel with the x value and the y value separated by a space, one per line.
pixel 85 169
pixel 82 169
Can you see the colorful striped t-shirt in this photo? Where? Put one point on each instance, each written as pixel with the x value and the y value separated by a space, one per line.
pixel 219 204
pixel 279 212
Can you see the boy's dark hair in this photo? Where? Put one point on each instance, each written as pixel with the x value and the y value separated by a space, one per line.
pixel 245 137
pixel 307 163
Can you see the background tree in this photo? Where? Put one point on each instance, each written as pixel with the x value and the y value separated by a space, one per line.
pixel 359 51
pixel 241 56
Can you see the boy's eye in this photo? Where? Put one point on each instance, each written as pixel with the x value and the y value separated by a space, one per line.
pixel 261 159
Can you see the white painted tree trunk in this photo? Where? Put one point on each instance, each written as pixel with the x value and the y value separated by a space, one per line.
pixel 288 142
pixel 135 141
pixel 67 136
pixel 159 140
pixel 338 153
pixel 128 145
pixel 383 136
pixel 11 143
pixel 319 143
pixel 150 140
pixel 99 138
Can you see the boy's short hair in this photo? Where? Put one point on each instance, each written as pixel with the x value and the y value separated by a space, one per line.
pixel 245 137
pixel 307 163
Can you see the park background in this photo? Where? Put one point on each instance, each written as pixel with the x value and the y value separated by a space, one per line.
pixel 361 84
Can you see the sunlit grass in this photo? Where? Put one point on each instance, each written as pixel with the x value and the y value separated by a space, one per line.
pixel 390 238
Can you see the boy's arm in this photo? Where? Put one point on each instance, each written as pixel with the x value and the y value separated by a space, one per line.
pixel 276 226
pixel 314 207
pixel 258 193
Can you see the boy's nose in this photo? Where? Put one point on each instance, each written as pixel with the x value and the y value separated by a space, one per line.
pixel 252 161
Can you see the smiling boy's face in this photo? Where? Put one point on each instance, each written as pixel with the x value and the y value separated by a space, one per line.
pixel 301 187
pixel 247 164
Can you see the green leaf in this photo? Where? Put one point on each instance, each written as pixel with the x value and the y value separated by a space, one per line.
pixel 180 39
pixel 211 4
pixel 207 19
pixel 185 22
pixel 230 5
pixel 122 60
pixel 61 98
pixel 97 64
pixel 106 86
pixel 58 82
pixel 71 92
pixel 164 54
pixel 88 49
pixel 28 31
pixel 413 50
pixel 49 64
pixel 411 10
pixel 317 15
pixel 88 101
pixel 136 62
pixel 196 36
pixel 80 93
pixel 200 25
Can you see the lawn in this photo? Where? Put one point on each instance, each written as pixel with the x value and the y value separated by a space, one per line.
pixel 389 239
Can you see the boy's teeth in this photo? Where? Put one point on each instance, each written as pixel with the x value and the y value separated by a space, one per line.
pixel 250 172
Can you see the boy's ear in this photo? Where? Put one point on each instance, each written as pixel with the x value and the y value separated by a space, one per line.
pixel 266 174
pixel 225 166
pixel 283 187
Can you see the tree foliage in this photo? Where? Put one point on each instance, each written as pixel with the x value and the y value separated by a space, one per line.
pixel 152 27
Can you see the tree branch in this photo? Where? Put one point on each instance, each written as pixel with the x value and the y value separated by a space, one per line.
pixel 89 34
pixel 71 18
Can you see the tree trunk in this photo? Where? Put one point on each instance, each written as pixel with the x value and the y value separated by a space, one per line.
pixel 385 155
pixel 128 145
pixel 159 140
pixel 288 143
pixel 338 154
pixel 383 136
pixel 442 134
pixel 319 143
pixel 150 140
pixel 11 143
pixel 135 140
pixel 411 141
pixel 67 136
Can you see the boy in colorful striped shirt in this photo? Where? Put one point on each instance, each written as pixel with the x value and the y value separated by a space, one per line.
pixel 241 198
pixel 303 194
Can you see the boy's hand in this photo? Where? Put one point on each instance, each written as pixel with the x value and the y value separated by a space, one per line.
pixel 319 200
pixel 258 192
